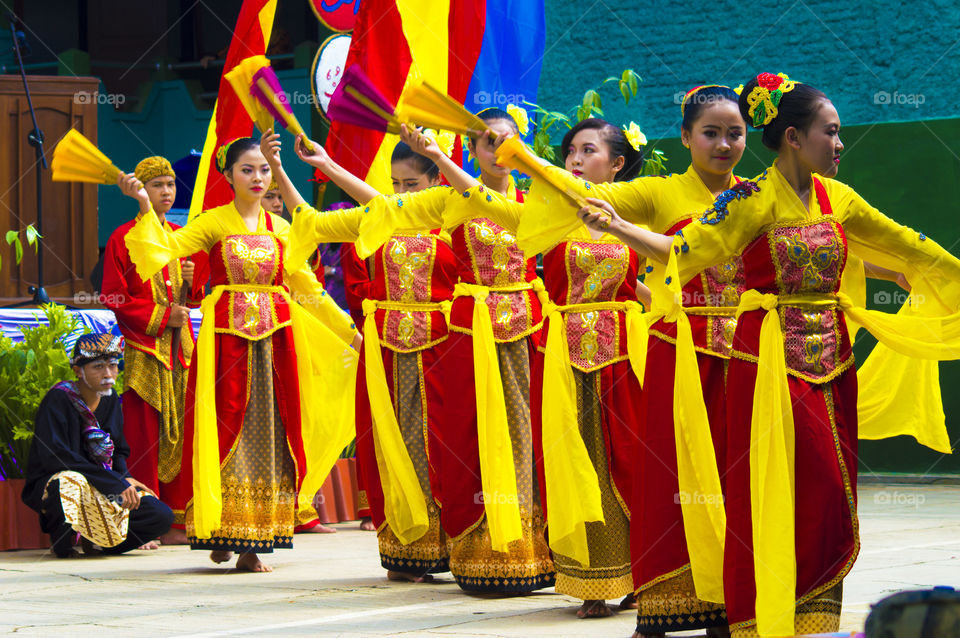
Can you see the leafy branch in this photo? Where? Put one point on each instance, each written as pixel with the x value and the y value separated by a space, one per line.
pixel 13 239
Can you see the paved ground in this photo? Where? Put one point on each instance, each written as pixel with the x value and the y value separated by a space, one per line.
pixel 333 585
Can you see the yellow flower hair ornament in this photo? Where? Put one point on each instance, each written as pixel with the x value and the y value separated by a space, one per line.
pixel 444 140
pixel 519 114
pixel 765 97
pixel 635 136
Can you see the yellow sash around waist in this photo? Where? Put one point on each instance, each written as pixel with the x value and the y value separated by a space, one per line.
pixel 326 374
pixel 497 472
pixel 404 504
pixel 572 485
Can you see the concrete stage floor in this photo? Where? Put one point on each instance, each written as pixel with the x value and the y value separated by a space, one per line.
pixel 332 584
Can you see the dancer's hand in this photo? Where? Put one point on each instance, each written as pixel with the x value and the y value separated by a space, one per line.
pixel 317 158
pixel 130 498
pixel 133 187
pixel 421 143
pixel 270 147
pixel 599 215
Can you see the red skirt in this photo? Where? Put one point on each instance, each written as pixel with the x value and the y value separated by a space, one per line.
pixel 827 534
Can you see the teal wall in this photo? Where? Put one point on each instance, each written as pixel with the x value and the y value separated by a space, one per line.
pixel 853 51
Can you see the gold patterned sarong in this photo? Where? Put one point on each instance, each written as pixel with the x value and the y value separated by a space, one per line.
pixel 92 514
pixel 527 565
pixel 258 477
pixel 608 575
pixel 428 554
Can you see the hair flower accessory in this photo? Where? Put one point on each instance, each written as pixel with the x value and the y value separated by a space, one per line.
pixel 222 154
pixel 445 140
pixel 635 136
pixel 519 114
pixel 765 97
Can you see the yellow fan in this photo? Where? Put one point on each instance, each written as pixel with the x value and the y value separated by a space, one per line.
pixel 240 78
pixel 76 159
pixel 425 106
pixel 514 154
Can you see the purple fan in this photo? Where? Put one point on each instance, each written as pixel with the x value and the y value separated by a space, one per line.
pixel 357 101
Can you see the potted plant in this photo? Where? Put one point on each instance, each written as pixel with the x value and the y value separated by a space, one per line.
pixel 28 369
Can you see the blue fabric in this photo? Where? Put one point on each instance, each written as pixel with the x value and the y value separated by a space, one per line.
pixel 11 320
pixel 511 56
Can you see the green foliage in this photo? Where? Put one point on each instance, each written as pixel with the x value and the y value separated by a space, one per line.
pixel 591 105
pixel 27 371
pixel 13 239
pixel 654 163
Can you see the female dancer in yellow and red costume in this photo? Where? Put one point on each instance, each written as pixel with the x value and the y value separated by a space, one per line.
pixel 265 424
pixel 714 131
pixel 150 313
pixel 490 500
pixel 583 432
pixel 791 457
pixel 414 275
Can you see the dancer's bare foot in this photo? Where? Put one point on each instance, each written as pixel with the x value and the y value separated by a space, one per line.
pixel 410 578
pixel 366 524
pixel 594 609
pixel 250 562
pixel 150 545
pixel 319 528
pixel 220 556
pixel 175 537
pixel 629 602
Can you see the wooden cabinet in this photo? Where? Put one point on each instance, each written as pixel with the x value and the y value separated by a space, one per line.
pixel 69 246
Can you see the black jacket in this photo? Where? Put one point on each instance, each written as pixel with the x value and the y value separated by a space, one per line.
pixel 58 446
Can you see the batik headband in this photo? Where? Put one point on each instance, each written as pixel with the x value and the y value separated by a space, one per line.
pixel 689 94
pixel 94 346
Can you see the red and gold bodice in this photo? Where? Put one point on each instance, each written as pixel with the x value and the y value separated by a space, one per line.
pixel 249 265
pixel 714 293
pixel 414 272
pixel 802 264
pixel 591 273
pixel 488 255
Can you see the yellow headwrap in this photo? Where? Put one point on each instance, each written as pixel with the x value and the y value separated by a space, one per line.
pixel 153 167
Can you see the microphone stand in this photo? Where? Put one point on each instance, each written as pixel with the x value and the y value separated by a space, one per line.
pixel 35 139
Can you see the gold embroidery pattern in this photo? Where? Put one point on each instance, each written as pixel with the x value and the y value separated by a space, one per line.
pixel 501 241
pixel 407 267
pixel 812 263
pixel 588 342
pixel 251 260
pixel 813 340
pixel 724 284
pixel 672 605
pixel 609 268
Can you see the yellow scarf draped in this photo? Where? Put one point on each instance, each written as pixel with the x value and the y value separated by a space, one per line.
pixel 497 472
pixel 700 494
pixel 326 374
pixel 404 504
pixel 572 485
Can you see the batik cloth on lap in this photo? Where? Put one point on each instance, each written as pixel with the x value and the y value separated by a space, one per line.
pixel 95 516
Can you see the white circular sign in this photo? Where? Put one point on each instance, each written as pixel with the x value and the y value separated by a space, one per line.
pixel 328 68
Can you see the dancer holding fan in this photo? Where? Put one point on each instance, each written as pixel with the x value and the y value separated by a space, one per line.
pixel 413 277
pixel 491 502
pixel 259 412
